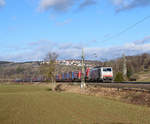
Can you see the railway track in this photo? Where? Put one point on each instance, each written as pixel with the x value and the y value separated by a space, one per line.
pixel 133 82
pixel 136 86
pixel 107 83
pixel 125 86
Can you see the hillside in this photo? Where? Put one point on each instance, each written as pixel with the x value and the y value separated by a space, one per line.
pixel 143 76
pixel 138 67
pixel 135 64
pixel 4 62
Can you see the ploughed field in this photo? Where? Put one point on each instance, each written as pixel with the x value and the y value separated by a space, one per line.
pixel 35 104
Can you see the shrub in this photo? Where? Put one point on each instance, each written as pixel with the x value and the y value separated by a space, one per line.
pixel 119 77
pixel 129 73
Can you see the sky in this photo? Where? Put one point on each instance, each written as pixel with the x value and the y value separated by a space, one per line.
pixel 106 29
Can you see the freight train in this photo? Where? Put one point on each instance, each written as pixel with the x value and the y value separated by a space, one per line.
pixel 95 74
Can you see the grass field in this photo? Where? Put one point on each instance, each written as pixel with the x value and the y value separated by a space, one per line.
pixel 31 104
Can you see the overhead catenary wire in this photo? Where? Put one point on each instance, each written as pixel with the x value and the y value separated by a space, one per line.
pixel 126 29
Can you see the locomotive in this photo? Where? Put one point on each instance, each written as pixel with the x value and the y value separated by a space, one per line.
pixel 95 74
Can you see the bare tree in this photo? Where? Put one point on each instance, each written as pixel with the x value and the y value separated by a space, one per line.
pixel 48 68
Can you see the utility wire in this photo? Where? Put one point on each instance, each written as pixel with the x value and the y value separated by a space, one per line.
pixel 128 28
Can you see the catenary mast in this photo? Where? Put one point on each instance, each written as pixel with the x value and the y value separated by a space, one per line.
pixel 83 85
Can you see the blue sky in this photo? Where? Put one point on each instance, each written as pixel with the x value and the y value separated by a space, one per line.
pixel 31 28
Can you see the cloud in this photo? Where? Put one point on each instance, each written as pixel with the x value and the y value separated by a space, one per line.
pixel 64 5
pixel 56 5
pixel 2 3
pixel 66 46
pixel 143 41
pixel 122 5
pixel 87 3
pixel 69 50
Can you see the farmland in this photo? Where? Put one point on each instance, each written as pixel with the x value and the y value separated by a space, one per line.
pixel 36 104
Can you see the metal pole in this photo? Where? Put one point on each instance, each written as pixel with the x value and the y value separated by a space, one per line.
pixel 124 66
pixel 83 85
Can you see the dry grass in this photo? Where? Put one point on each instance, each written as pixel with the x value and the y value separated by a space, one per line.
pixel 143 76
pixel 128 96
pixel 32 104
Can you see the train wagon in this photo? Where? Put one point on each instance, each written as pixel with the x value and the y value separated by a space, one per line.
pixel 96 74
pixel 76 76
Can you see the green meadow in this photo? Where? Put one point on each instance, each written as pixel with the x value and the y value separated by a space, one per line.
pixel 33 104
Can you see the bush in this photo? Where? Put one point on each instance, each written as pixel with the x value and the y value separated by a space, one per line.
pixel 129 73
pixel 119 77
